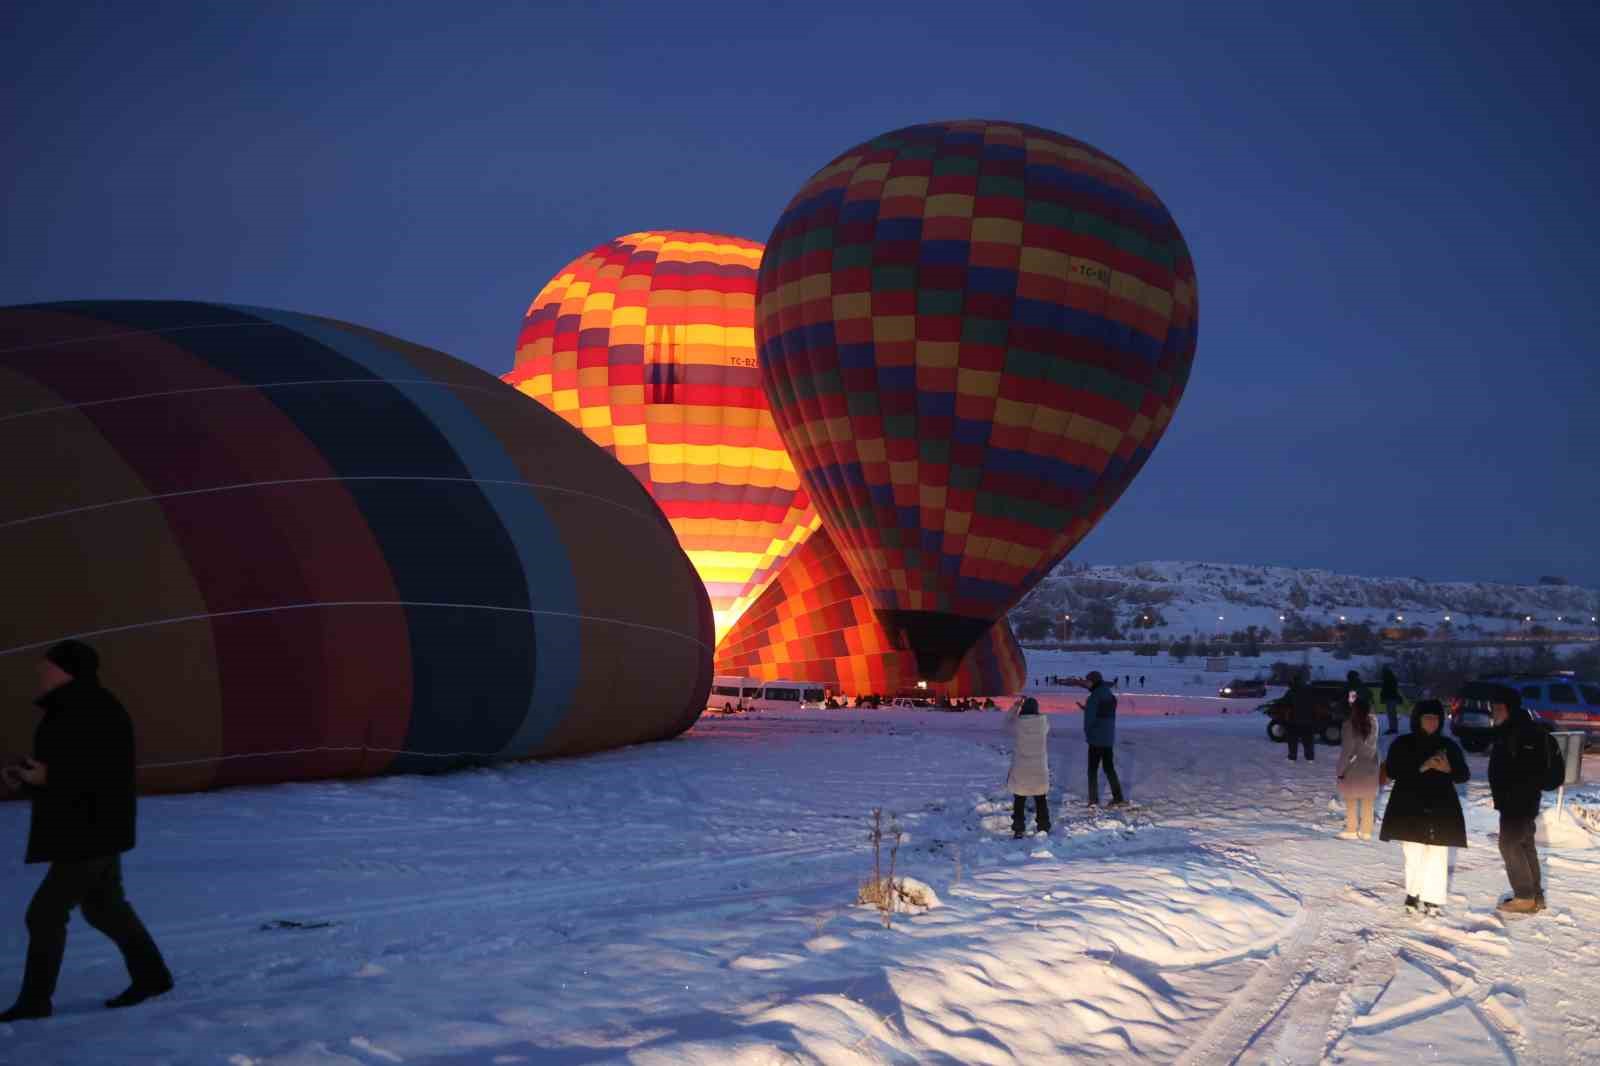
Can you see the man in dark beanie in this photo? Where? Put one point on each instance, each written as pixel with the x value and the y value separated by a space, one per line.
pixel 81 780
pixel 1517 764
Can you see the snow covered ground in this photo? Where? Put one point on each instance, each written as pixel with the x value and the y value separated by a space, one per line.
pixel 691 902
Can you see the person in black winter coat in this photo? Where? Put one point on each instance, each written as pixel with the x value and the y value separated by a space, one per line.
pixel 1300 722
pixel 1516 772
pixel 1389 696
pixel 81 780
pixel 1424 812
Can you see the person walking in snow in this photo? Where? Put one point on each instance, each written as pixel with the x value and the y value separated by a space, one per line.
pixel 1517 763
pixel 1358 771
pixel 81 780
pixel 1030 766
pixel 1389 696
pixel 1100 730
pixel 1300 721
pixel 1424 812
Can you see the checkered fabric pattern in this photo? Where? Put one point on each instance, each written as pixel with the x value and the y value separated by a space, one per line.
pixel 972 335
pixel 647 344
pixel 814 623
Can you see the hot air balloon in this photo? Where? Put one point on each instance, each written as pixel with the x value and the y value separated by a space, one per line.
pixel 307 549
pixel 972 335
pixel 647 344
pixel 812 622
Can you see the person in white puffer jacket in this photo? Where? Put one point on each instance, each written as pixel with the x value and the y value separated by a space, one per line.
pixel 1030 766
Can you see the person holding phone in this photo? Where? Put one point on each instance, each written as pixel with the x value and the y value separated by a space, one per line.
pixel 81 779
pixel 1424 811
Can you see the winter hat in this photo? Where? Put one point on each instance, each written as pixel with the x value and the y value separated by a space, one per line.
pixel 76 658
pixel 1030 706
pixel 1507 695
pixel 1433 707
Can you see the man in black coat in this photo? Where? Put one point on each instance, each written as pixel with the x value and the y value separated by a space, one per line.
pixel 1516 771
pixel 1300 719
pixel 81 780
pixel 1389 696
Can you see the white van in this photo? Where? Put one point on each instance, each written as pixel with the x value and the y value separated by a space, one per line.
pixel 788 696
pixel 729 694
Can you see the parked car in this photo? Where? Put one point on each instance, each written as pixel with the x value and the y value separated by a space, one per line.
pixel 1332 709
pixel 1471 714
pixel 1244 688
pixel 1557 701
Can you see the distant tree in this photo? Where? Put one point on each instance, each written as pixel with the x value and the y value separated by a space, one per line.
pixel 1298 598
pixel 1100 621
pixel 1181 649
pixel 1033 628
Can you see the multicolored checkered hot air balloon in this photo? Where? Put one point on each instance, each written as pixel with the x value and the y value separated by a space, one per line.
pixel 972 336
pixel 647 344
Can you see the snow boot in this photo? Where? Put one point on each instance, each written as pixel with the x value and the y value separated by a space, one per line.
pixel 133 995
pixel 1538 903
pixel 1431 910
pixel 21 1012
pixel 1412 904
pixel 1515 905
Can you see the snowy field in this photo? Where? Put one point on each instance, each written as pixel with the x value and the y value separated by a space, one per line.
pixel 691 902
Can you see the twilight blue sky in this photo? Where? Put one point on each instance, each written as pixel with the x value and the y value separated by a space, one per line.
pixel 1391 209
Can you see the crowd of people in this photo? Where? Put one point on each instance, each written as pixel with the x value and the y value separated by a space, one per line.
pixel 1424 768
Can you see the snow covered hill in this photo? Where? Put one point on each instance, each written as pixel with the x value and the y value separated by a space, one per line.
pixel 1177 599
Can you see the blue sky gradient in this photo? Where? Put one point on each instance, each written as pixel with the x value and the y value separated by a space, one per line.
pixel 1390 208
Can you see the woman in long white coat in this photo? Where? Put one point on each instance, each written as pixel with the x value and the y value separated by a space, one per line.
pixel 1358 769
pixel 1030 766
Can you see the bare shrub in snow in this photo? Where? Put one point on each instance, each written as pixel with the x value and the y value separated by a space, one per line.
pixel 886 892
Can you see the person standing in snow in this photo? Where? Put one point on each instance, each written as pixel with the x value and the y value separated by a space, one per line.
pixel 1030 766
pixel 1100 730
pixel 1358 771
pixel 1424 812
pixel 1517 763
pixel 1389 696
pixel 1300 721
pixel 81 780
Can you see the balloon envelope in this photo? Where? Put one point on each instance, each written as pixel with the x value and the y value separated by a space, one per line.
pixel 972 334
pixel 647 344
pixel 813 624
pixel 307 549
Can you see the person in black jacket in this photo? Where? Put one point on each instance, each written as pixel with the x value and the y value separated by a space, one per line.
pixel 81 780
pixel 1516 771
pixel 1300 721
pixel 1389 696
pixel 1424 812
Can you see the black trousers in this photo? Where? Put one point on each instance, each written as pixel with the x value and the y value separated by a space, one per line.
pixel 1306 737
pixel 1521 856
pixel 1097 756
pixel 1394 716
pixel 95 885
pixel 1041 813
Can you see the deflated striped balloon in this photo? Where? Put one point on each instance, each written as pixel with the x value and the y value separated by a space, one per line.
pixel 307 549
pixel 647 344
pixel 972 336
